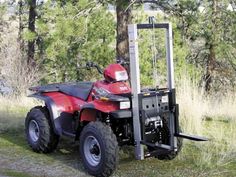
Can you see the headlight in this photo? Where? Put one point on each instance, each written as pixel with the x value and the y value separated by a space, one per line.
pixel 101 91
pixel 125 105
pixel 121 75
pixel 105 95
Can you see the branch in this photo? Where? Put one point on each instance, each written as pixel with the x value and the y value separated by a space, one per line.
pixel 131 3
pixel 86 11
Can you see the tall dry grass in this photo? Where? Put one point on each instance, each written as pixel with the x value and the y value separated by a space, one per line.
pixel 18 76
pixel 14 68
pixel 13 111
pixel 212 116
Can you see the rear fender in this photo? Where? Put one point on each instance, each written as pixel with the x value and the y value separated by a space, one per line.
pixel 53 111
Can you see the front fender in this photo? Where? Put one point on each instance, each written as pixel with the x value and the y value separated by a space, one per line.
pixel 88 111
pixel 54 112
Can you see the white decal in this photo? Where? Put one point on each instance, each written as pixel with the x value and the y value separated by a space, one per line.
pixel 123 88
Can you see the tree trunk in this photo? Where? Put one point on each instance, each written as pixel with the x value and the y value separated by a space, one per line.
pixel 212 47
pixel 31 28
pixel 21 26
pixel 124 18
pixel 210 68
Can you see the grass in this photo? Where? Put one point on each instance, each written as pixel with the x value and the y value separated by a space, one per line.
pixel 199 114
pixel 12 110
pixel 15 173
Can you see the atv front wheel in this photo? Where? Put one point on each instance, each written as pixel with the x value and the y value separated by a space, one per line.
pixel 98 149
pixel 39 131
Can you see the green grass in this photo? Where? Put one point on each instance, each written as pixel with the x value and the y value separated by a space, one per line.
pixel 12 173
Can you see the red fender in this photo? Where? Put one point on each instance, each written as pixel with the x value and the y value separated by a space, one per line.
pixel 88 111
pixel 69 104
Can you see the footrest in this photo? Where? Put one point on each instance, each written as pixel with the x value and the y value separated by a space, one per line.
pixel 156 152
pixel 156 145
pixel 191 137
pixel 158 149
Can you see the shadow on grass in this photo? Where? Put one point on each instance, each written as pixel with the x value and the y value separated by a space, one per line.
pixel 13 173
pixel 67 152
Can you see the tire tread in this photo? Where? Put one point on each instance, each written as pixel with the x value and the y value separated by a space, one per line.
pixel 48 140
pixel 111 148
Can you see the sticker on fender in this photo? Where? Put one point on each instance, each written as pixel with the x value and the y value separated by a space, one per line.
pixel 164 99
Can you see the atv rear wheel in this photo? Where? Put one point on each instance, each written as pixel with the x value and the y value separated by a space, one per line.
pixel 98 149
pixel 165 136
pixel 39 131
pixel 172 154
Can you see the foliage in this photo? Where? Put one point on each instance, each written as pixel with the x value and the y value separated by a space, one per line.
pixel 214 26
pixel 206 28
pixel 152 43
pixel 73 34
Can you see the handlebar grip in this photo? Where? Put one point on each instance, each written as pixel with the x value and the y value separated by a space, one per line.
pixel 89 64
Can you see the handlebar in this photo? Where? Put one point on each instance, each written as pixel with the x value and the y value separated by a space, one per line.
pixel 90 65
pixel 122 62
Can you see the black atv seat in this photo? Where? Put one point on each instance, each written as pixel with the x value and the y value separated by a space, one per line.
pixel 77 89
pixel 80 89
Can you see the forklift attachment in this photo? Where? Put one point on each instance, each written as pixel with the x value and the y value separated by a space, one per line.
pixel 155 112
pixel 191 137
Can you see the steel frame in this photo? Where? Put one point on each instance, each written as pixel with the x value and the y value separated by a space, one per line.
pixel 135 80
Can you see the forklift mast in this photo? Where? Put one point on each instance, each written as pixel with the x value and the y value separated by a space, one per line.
pixel 141 102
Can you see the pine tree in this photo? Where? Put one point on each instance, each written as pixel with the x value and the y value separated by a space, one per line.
pixel 124 17
pixel 31 28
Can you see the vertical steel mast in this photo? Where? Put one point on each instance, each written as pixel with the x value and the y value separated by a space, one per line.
pixel 135 85
pixel 135 78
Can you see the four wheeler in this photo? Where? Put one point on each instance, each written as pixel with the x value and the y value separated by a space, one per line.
pixel 106 114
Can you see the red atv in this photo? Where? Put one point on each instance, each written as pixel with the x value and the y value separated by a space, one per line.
pixel 105 114
pixel 98 114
